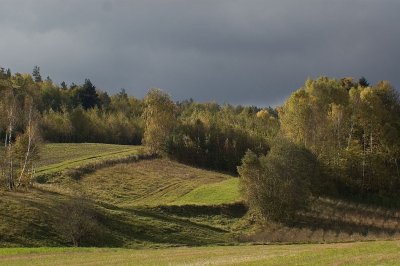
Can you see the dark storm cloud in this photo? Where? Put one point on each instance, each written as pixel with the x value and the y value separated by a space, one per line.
pixel 242 52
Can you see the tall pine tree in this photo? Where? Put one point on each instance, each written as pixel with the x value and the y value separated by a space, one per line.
pixel 36 74
pixel 87 95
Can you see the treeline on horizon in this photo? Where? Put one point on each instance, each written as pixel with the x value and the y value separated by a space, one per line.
pixel 352 128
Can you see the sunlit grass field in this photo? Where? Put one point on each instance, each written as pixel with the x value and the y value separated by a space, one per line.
pixel 223 192
pixel 57 157
pixel 54 153
pixel 160 182
pixel 361 253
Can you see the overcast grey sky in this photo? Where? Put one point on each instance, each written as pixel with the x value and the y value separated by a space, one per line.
pixel 240 52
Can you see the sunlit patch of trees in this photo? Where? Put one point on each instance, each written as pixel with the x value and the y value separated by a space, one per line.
pixel 20 135
pixel 352 128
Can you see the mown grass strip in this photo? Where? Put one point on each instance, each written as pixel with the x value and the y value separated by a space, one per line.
pixel 361 253
pixel 87 159
pixel 54 153
pixel 223 192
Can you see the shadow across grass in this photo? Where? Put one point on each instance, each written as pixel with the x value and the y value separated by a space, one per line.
pixel 333 220
pixel 151 226
pixel 234 210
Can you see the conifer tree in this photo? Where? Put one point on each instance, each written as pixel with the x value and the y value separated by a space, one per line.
pixel 36 74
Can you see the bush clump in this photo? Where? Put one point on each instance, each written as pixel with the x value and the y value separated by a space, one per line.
pixel 277 185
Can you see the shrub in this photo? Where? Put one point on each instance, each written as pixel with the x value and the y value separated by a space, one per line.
pixel 278 184
pixel 76 221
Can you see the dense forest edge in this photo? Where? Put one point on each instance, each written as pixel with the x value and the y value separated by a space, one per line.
pixel 336 138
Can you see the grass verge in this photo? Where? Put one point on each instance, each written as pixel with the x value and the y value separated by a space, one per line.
pixel 362 253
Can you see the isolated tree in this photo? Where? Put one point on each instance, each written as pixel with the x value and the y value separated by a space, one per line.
pixel 363 82
pixel 87 95
pixel 10 108
pixel 20 148
pixel 159 116
pixel 278 185
pixel 36 74
pixel 104 100
pixel 63 85
pixel 347 83
pixel 51 97
pixel 73 86
pixel 76 220
pixel 27 146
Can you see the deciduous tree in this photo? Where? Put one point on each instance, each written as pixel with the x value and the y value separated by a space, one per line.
pixel 279 184
pixel 160 119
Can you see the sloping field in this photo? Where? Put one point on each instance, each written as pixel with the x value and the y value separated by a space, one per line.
pixel 54 153
pixel 159 202
pixel 30 219
pixel 119 194
pixel 364 253
pixel 63 156
pixel 158 182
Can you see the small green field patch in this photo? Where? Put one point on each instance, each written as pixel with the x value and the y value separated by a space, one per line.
pixel 223 192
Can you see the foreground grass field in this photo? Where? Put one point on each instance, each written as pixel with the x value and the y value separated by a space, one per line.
pixel 361 253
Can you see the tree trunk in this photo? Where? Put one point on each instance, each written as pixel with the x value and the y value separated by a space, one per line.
pixel 28 149
pixel 350 134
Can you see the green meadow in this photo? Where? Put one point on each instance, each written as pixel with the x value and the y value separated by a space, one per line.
pixel 155 211
pixel 364 253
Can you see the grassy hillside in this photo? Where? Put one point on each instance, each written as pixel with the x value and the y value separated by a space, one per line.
pixel 367 253
pixel 158 202
pixel 121 195
pixel 155 182
pixel 29 219
pixel 55 153
pixel 60 157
